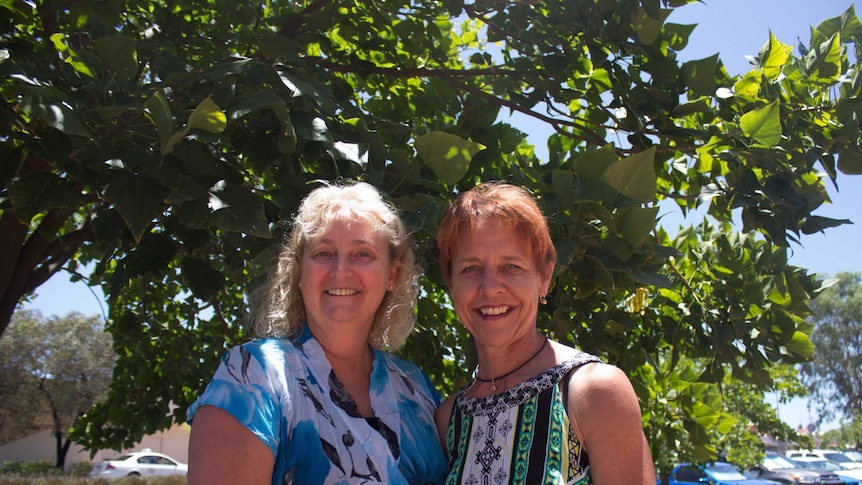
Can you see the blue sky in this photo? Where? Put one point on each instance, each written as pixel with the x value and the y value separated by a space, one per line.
pixel 734 29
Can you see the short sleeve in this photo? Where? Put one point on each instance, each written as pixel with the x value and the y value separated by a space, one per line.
pixel 244 388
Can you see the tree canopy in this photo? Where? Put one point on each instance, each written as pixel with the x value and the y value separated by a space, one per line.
pixel 164 143
pixel 52 370
pixel 834 374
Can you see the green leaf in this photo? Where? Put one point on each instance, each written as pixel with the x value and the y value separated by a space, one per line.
pixel 699 75
pixel 815 224
pixel 249 103
pixel 594 163
pixel 159 109
pixel 204 281
pixel 634 223
pixel 139 200
pixel 850 159
pixel 448 155
pixel 238 209
pixel 287 138
pixel 310 127
pixel 563 182
pixel 823 63
pixel 70 56
pixel 299 86
pixel 800 344
pixel 762 125
pixel 37 192
pixel 847 24
pixel 748 85
pixel 50 106
pixel 773 56
pixel 634 176
pixel 208 117
pixel 118 52
pixel 646 27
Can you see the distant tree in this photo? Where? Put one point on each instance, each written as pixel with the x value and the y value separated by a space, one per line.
pixel 847 436
pixel 55 366
pixel 834 375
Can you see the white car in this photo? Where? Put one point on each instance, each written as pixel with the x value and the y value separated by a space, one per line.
pixel 832 455
pixel 835 467
pixel 143 463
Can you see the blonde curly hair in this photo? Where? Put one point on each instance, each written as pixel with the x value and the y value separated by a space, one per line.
pixel 281 310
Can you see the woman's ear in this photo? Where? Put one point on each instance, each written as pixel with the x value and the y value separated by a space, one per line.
pixel 546 275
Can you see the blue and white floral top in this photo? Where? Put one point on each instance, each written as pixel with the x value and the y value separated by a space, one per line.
pixel 286 393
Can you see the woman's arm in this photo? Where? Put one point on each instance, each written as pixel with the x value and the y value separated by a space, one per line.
pixel 441 417
pixel 222 451
pixel 604 411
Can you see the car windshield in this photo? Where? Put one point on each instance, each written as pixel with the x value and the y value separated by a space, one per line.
pixel 854 455
pixel 724 472
pixel 777 462
pixel 837 457
pixel 821 465
pixel 122 458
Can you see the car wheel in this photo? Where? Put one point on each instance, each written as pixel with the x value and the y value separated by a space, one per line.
pixel 133 474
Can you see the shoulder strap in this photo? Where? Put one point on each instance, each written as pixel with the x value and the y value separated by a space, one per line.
pixel 564 382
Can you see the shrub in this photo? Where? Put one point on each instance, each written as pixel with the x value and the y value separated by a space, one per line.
pixel 79 469
pixel 30 468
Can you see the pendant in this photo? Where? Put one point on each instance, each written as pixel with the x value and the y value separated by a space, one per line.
pixel 493 386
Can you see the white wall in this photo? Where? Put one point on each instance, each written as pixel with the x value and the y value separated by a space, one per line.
pixel 173 442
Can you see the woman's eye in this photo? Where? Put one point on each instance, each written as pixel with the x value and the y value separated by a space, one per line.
pixel 470 269
pixel 321 254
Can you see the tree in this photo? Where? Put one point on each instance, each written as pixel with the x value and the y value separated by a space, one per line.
pixel 166 143
pixel 56 367
pixel 834 375
pixel 848 436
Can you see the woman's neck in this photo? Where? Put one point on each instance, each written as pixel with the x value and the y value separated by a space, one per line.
pixel 352 361
pixel 499 367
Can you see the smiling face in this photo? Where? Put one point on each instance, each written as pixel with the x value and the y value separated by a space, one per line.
pixel 495 285
pixel 346 272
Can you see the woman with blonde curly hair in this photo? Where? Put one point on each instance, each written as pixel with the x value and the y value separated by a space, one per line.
pixel 317 399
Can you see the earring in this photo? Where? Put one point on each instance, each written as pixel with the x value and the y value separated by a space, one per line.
pixel 543 300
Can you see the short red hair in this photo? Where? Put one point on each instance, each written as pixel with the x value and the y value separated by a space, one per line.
pixel 499 201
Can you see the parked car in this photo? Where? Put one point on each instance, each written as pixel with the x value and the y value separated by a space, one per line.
pixel 783 469
pixel 853 455
pixel 833 455
pixel 718 473
pixel 854 474
pixel 143 463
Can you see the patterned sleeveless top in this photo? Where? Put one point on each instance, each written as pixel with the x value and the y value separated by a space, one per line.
pixel 520 436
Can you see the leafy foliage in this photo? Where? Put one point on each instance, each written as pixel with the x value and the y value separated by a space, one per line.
pixel 848 436
pixel 52 370
pixel 166 143
pixel 834 375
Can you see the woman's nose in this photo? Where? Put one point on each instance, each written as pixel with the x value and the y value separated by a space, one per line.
pixel 490 281
pixel 340 265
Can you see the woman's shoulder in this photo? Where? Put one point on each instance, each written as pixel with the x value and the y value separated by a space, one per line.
pixel 400 363
pixel 263 344
pixel 571 357
pixel 409 371
pixel 265 349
